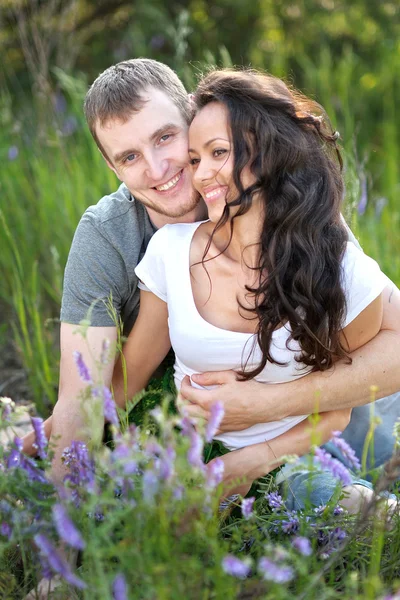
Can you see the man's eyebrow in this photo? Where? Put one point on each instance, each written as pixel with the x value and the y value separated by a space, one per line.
pixel 158 132
pixel 209 142
pixel 121 155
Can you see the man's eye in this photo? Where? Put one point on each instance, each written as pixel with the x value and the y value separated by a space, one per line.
pixel 130 158
pixel 165 137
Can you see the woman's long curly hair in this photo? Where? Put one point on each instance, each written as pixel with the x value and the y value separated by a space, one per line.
pixel 288 144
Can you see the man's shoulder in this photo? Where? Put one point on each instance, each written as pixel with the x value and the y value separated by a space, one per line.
pixel 119 205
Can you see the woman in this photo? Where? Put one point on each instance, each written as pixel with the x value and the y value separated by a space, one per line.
pixel 269 285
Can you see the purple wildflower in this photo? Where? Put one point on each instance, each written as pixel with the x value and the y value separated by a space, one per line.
pixel 235 567
pixel 66 528
pixel 338 510
pixel 302 545
pixel 69 126
pixel 217 414
pixel 291 524
pixel 105 351
pixel 59 102
pixel 47 572
pixel 150 486
pixel 165 466
pixel 56 562
pixel 7 407
pixel 379 206
pixel 109 406
pixel 40 437
pixel 178 492
pixel 81 467
pixel 345 449
pixel 119 588
pixel 333 465
pixel 274 500
pixel 5 530
pixel 214 473
pixel 272 572
pixel 16 459
pixel 83 371
pixel 247 507
pixel 13 152
pixel 195 452
pixel 330 541
pixel 123 456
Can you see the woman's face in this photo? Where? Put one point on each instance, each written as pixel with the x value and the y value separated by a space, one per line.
pixel 211 158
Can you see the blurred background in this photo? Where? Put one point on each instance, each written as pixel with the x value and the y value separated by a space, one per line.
pixel 345 54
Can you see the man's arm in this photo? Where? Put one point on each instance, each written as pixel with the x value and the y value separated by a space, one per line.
pixel 67 421
pixel 343 386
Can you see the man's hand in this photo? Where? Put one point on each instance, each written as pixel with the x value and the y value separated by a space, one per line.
pixel 244 401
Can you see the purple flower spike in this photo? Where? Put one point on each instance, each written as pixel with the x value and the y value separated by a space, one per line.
pixel 302 545
pixel 345 449
pixel 215 473
pixel 274 500
pixel 333 465
pixel 272 572
pixel 83 371
pixel 110 409
pixel 217 414
pixel 195 452
pixel 13 152
pixel 56 562
pixel 119 588
pixel 291 524
pixel 150 486
pixel 41 439
pixel 247 507
pixel 5 530
pixel 235 567
pixel 66 529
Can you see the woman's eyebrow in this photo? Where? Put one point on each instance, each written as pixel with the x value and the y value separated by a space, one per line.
pixel 209 142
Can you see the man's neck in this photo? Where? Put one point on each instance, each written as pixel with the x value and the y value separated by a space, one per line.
pixel 197 214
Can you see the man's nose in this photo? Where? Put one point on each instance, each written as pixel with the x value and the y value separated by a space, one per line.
pixel 156 167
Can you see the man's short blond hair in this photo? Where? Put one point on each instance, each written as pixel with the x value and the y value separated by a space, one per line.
pixel 117 93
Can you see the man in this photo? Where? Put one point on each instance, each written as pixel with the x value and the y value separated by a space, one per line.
pixel 138 112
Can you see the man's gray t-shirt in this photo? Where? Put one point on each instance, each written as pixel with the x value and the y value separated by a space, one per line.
pixel 109 242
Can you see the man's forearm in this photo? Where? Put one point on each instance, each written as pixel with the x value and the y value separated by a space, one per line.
pixel 345 385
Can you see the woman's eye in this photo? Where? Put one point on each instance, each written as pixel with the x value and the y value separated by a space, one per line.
pixel 194 161
pixel 219 151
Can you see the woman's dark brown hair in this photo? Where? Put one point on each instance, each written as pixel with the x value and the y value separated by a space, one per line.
pixel 288 143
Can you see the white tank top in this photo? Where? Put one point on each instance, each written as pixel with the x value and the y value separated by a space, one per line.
pixel 200 346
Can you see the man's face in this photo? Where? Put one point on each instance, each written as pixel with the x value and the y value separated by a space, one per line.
pixel 149 153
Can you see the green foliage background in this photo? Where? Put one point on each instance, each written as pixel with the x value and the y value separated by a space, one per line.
pixel 344 54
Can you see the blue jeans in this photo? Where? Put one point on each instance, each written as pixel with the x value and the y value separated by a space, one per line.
pixel 388 410
pixel 301 487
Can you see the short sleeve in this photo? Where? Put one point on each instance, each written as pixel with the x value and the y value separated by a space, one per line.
pixel 95 274
pixel 151 270
pixel 362 281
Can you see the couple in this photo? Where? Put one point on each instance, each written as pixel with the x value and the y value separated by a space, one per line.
pixel 272 263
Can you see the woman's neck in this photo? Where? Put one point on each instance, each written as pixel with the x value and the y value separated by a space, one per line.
pixel 245 244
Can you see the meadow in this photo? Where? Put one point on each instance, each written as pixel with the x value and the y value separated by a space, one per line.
pixel 51 171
